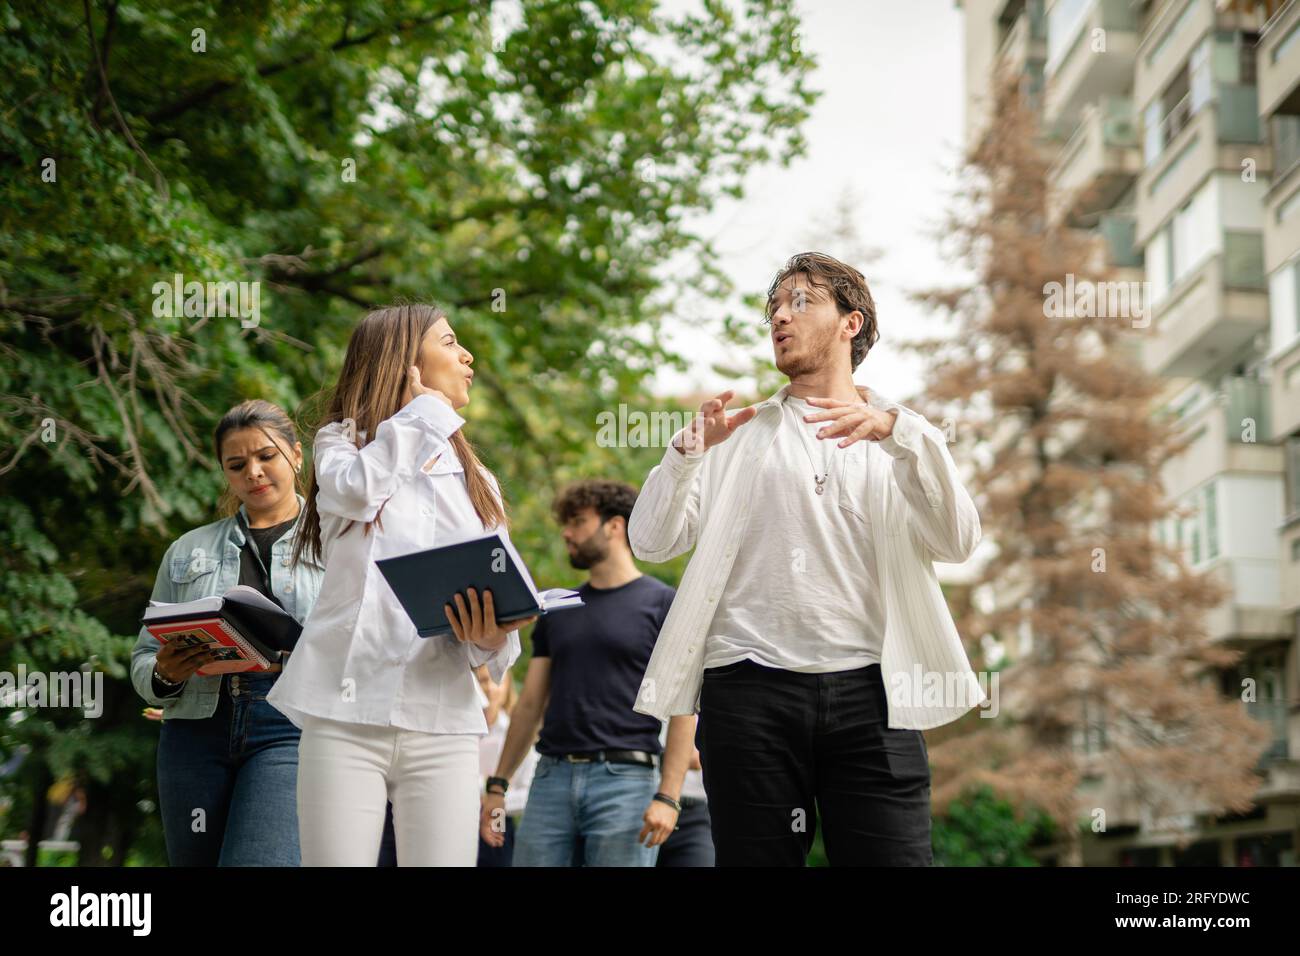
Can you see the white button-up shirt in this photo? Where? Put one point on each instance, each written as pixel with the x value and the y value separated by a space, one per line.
pixel 360 658
pixel 918 511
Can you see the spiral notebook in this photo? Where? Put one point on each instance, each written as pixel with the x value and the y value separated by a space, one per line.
pixel 245 630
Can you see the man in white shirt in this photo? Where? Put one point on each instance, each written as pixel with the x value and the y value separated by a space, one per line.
pixel 811 591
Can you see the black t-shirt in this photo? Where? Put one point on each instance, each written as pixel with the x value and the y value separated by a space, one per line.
pixel 599 654
pixel 261 539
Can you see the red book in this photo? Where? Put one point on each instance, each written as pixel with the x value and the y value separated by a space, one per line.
pixel 246 631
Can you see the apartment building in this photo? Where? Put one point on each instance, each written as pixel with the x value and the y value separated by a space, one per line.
pixel 1173 128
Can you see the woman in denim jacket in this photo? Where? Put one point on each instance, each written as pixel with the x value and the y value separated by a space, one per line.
pixel 228 760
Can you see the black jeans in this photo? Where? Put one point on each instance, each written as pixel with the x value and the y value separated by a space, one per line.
pixel 691 844
pixel 778 747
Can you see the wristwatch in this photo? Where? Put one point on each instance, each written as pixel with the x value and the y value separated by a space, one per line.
pixel 502 782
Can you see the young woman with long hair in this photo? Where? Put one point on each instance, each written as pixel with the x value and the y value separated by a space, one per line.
pixel 386 714
pixel 227 760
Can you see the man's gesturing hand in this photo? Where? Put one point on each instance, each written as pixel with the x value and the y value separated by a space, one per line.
pixel 851 421
pixel 712 426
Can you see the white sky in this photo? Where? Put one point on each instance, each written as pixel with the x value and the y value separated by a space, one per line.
pixel 888 130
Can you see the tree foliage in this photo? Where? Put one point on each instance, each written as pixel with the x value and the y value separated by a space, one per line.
pixel 533 177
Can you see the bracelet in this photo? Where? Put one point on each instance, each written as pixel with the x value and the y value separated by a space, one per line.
pixel 163 680
pixel 664 798
pixel 501 782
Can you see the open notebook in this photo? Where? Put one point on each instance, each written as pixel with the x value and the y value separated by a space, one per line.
pixel 426 580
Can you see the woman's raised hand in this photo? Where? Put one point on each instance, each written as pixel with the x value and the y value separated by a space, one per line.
pixel 415 387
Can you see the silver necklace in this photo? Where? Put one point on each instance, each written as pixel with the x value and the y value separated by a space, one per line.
pixel 819 483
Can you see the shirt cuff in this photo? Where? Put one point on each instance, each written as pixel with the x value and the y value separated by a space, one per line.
pixel 679 464
pixel 902 441
pixel 436 412
pixel 499 661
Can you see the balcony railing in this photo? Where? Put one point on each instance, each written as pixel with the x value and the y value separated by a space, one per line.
pixel 1119 230
pixel 1238 113
pixel 1118 121
pixel 1243 261
pixel 1286 143
pixel 1273 713
pixel 1246 399
pixel 1028 27
pixel 1237 118
pixel 1067 20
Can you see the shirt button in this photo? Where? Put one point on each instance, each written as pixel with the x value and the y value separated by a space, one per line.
pixel 730 552
pixel 285 562
pixel 426 512
pixel 288 588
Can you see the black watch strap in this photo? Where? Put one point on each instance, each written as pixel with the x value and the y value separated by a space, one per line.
pixel 501 782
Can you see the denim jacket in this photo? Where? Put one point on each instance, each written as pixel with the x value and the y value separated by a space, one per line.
pixel 202 563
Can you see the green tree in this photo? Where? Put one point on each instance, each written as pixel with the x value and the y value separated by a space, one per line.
pixel 531 177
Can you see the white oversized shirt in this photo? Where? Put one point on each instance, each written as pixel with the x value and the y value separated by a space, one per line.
pixel 360 659
pixel 917 512
pixel 803 594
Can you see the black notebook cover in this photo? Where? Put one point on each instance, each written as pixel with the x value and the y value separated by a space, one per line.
pixel 426 580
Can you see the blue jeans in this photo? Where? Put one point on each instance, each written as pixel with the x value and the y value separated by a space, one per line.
pixel 240 768
pixel 586 814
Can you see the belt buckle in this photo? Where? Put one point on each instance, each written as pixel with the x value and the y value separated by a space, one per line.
pixel 578 758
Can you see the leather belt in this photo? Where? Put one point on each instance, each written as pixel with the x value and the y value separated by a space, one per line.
pixel 611 756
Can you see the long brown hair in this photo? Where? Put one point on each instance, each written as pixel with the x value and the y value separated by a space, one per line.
pixel 371 389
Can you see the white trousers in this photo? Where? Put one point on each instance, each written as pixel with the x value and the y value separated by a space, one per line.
pixel 348 772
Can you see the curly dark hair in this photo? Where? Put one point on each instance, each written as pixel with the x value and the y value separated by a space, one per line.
pixel 608 499
pixel 846 284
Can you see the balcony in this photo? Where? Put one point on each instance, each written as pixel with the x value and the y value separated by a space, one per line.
pixel 1076 73
pixel 1210 315
pixel 1099 162
pixel 1289 557
pixel 1172 35
pixel 1286 391
pixel 1198 149
pixel 1218 445
pixel 1024 47
pixel 1281 782
pixel 1277 62
pixel 1232 476
pixel 1119 232
pixel 1282 201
